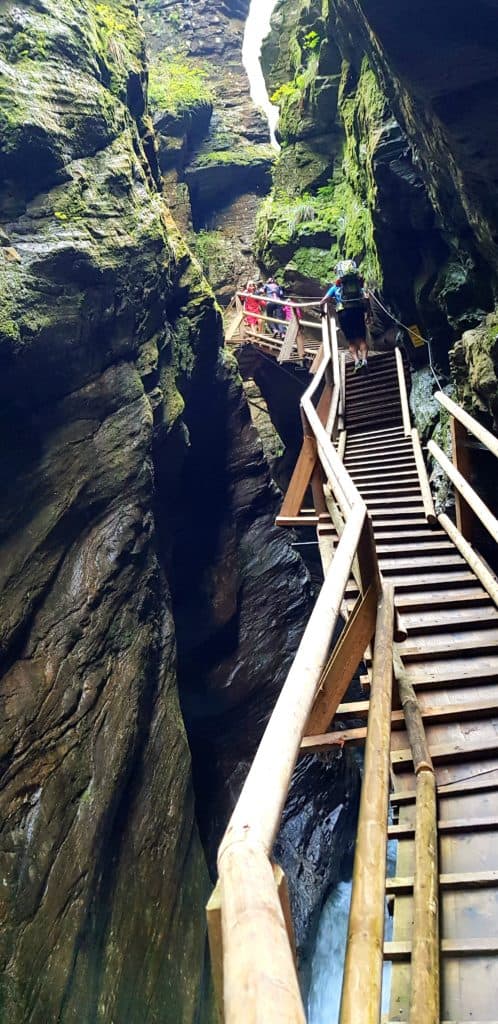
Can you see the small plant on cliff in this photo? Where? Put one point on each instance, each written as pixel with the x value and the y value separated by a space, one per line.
pixel 177 85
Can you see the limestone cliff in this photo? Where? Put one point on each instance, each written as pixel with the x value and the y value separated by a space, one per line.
pixel 214 147
pixel 386 155
pixel 111 369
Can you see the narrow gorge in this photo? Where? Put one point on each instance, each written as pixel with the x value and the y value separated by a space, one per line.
pixel 151 607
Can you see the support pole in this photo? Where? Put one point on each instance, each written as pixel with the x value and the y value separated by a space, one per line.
pixel 362 983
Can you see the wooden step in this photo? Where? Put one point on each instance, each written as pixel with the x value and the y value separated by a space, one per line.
pixel 465 749
pixel 435 672
pixel 438 544
pixel 467 598
pixel 399 490
pixel 427 563
pixel 414 511
pixel 403 538
pixel 363 445
pixel 369 476
pixel 400 886
pixel 431 713
pixel 383 503
pixel 432 580
pixel 418 648
pixel 385 433
pixel 399 451
pixel 447 826
pixel 477 783
pixel 449 618
pixel 401 951
pixel 403 524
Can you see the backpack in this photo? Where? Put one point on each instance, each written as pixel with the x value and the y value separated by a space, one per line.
pixel 352 288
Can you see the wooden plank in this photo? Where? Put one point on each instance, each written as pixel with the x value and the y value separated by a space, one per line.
pixel 477 783
pixel 474 708
pixel 343 663
pixel 296 521
pixel 488 520
pixel 453 597
pixel 423 478
pixel 426 562
pixel 472 425
pixel 421 581
pixel 300 479
pixel 447 882
pixel 465 519
pixel 445 753
pixel 473 559
pixel 447 826
pixel 396 951
pixel 419 647
pixel 453 670
pixel 449 618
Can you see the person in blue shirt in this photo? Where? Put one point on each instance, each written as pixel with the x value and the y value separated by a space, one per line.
pixel 350 301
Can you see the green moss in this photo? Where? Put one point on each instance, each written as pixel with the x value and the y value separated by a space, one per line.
pixel 241 156
pixel 9 329
pixel 177 84
pixel 318 264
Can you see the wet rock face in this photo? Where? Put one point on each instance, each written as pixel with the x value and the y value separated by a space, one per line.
pixel 104 876
pixel 400 141
pixel 217 155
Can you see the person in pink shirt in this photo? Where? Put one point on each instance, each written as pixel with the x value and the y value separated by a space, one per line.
pixel 252 305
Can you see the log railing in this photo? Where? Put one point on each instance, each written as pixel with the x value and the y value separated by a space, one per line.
pixel 253 951
pixel 469 506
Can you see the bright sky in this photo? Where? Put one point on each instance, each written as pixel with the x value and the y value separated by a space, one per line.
pixel 257 27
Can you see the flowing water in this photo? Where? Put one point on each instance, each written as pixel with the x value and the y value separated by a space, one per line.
pixel 257 27
pixel 324 997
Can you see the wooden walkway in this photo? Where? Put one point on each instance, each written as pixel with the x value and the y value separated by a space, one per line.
pixel 420 614
pixel 451 658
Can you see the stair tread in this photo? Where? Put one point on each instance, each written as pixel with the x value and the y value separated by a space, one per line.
pixel 434 619
pixel 445 598
pixel 453 670
pixel 447 644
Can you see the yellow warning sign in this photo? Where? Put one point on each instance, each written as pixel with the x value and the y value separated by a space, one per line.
pixel 415 336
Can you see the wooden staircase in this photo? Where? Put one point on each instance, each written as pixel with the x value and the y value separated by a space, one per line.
pixel 420 614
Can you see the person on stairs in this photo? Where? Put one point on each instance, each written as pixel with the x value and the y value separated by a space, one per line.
pixel 273 291
pixel 351 303
pixel 253 307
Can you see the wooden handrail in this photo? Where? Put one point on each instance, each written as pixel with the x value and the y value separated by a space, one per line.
pixel 473 559
pixel 405 408
pixel 472 499
pixel 362 980
pixel 257 954
pixel 485 436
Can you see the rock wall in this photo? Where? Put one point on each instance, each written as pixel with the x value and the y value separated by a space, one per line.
pixel 214 146
pixel 386 156
pixel 136 522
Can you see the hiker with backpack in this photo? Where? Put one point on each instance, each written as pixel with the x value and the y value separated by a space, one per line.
pixel 351 304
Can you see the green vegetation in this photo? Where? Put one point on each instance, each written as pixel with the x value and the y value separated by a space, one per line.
pixel 177 85
pixel 212 250
pixel 239 156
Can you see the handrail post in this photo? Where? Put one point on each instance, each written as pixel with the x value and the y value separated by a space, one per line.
pixel 425 970
pixel 362 982
pixel 462 462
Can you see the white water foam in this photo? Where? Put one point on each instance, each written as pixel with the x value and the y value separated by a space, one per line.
pixel 257 27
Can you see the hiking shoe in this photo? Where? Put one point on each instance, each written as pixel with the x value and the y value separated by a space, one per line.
pixel 357 366
pixel 364 364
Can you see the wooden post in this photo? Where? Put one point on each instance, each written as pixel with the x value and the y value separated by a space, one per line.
pixel 362 983
pixel 424 977
pixel 405 408
pixel 344 661
pixel 461 460
pixel 260 980
pixel 213 914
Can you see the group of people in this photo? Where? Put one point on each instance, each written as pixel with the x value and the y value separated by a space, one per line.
pixel 268 300
pixel 347 297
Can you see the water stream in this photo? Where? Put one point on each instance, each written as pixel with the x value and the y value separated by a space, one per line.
pixel 257 27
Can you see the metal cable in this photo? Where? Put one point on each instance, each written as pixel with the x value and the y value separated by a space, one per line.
pixel 407 329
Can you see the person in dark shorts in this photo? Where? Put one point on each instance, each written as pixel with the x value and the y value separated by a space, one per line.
pixel 351 304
